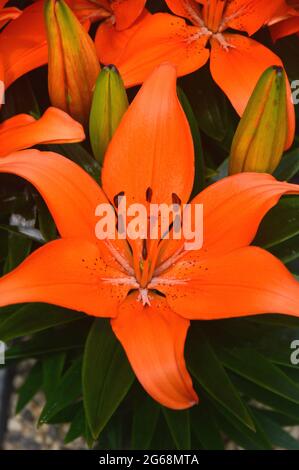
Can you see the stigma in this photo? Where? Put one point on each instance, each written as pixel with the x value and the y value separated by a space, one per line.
pixel 144 297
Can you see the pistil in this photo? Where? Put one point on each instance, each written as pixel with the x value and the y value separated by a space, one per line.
pixel 144 297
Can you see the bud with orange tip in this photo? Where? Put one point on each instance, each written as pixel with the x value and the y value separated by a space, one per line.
pixel 73 64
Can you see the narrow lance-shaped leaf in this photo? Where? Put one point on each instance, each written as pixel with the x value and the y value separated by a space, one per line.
pixel 179 427
pixel 210 374
pixel 107 376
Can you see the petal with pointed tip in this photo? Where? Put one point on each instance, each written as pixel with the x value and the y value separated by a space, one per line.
pixel 233 209
pixel 235 206
pixel 238 70
pixel 111 43
pixel 247 281
pixel 8 14
pixel 69 273
pixel 285 28
pixel 23 131
pixel 69 192
pixel 251 15
pixel 22 49
pixel 152 147
pixel 185 8
pixel 126 12
pixel 162 38
pixel 153 338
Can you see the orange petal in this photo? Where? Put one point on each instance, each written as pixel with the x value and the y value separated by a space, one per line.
pixel 235 206
pixel 162 37
pixel 8 14
pixel 69 192
pixel 2 88
pixel 285 28
pixel 247 281
pixel 111 43
pixel 23 44
pixel 23 131
pixel 126 12
pixel 90 10
pixel 185 8
pixel 152 147
pixel 251 15
pixel 153 338
pixel 71 196
pixel 69 273
pixel 233 209
pixel 238 69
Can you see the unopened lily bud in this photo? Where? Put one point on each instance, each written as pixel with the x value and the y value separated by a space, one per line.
pixel 108 107
pixel 73 64
pixel 261 136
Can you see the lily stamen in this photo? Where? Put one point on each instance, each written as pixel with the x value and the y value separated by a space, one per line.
pixel 223 42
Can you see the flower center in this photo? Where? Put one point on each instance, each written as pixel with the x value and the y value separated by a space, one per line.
pixel 211 21
pixel 144 297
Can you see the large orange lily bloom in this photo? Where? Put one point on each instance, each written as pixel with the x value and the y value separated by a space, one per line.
pixel 287 21
pixel 23 131
pixel 236 61
pixel 121 13
pixel 152 290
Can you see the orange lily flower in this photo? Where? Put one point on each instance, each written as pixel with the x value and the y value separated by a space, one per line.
pixel 152 290
pixel 236 61
pixel 122 13
pixel 7 14
pixel 286 22
pixel 23 131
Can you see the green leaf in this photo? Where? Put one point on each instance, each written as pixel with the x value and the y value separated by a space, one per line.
pixel 65 393
pixel 213 111
pixel 20 98
pixel 199 178
pixel 277 436
pixel 242 435
pixel 77 427
pixel 271 400
pixel 30 387
pixel 79 155
pixel 270 339
pixel 46 222
pixel 288 250
pixel 66 415
pixel 52 370
pixel 27 233
pixel 289 166
pixel 19 248
pixel 280 224
pixel 69 338
pixel 210 374
pixel 31 318
pixel 180 427
pixel 253 366
pixel 280 321
pixel 204 427
pixel 107 375
pixel 145 418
